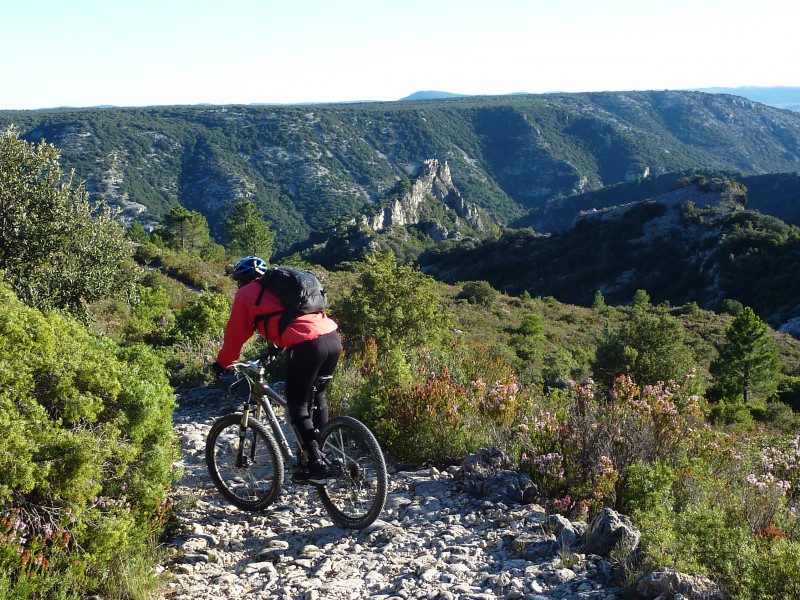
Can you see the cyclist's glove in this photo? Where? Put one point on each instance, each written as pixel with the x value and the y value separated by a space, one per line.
pixel 219 370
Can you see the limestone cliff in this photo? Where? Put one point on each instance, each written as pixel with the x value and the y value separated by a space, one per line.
pixel 432 183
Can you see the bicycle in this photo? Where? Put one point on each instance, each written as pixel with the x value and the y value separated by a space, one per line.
pixel 246 459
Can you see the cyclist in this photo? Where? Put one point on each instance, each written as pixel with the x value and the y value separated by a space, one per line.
pixel 313 347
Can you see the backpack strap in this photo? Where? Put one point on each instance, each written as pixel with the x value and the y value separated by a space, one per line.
pixel 265 318
pixel 260 294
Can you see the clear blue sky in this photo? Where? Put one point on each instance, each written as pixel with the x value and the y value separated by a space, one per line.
pixel 148 52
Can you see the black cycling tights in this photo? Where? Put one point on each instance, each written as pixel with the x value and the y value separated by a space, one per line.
pixel 306 362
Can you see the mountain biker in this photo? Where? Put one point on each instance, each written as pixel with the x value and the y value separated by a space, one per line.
pixel 313 347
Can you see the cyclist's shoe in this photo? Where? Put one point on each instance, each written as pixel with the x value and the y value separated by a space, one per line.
pixel 314 474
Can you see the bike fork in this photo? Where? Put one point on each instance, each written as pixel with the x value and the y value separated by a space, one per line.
pixel 243 461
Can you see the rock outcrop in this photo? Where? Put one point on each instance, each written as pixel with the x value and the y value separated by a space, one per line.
pixel 432 183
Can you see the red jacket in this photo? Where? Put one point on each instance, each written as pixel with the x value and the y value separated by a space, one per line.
pixel 243 313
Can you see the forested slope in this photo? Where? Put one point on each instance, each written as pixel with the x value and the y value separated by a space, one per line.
pixel 307 166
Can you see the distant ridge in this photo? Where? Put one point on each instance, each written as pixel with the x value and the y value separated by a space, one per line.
pixel 778 96
pixel 432 95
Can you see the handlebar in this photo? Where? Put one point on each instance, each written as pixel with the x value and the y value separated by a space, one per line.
pixel 261 362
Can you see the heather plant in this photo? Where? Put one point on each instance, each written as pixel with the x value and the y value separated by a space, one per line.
pixel 771 489
pixel 424 412
pixel 593 445
pixel 727 511
pixel 497 400
pixel 433 418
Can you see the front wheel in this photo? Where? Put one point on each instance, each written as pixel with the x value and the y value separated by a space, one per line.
pixel 244 463
pixel 357 483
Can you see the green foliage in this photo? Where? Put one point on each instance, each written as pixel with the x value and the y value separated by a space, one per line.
pixel 137 234
pixel 150 317
pixel 510 154
pixel 641 299
pixel 586 446
pixel 724 252
pixel 731 413
pixel 599 301
pixel 86 448
pixel 396 305
pixel 424 412
pixel 247 232
pixel 419 417
pixel 649 347
pixel 58 249
pixel 729 514
pixel 748 361
pixel 187 231
pixel 649 487
pixel 478 292
pixel 732 307
pixel 528 339
pixel 202 319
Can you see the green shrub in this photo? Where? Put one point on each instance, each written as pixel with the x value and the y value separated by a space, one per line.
pixel 649 486
pixel 420 410
pixel 590 446
pixel 151 316
pixel 86 450
pixel 775 570
pixel 478 292
pixel 58 249
pixel 733 412
pixel 202 319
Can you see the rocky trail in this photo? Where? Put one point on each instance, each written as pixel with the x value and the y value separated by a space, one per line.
pixel 462 533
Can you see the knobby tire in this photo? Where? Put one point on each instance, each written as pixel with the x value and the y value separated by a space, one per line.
pixel 356 490
pixel 251 486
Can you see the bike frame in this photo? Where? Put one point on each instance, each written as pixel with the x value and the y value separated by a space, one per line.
pixel 258 403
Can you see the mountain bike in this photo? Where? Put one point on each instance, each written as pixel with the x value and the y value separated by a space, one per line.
pixel 247 451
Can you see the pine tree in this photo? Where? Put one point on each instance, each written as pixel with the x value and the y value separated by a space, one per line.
pixel 248 233
pixel 189 229
pixel 748 360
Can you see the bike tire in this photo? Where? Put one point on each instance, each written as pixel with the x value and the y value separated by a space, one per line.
pixel 255 485
pixel 356 489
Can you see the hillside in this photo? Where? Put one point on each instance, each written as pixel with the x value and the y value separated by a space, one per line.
pixel 775 194
pixel 691 244
pixel 308 166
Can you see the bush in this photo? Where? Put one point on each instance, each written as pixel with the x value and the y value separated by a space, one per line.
pixel 58 249
pixel 202 319
pixel 478 292
pixel 86 450
pixel 590 446
pixel 150 317
pixel 419 418
pixel 422 411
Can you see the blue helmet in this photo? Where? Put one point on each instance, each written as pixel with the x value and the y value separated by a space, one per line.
pixel 249 268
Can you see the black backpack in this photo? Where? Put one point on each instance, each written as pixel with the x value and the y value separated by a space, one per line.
pixel 300 293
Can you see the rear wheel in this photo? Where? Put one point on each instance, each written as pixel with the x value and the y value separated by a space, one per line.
pixel 244 464
pixel 357 485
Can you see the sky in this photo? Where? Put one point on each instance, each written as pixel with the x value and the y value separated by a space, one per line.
pixel 167 52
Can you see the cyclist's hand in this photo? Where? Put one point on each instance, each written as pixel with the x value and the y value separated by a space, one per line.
pixel 270 354
pixel 219 370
